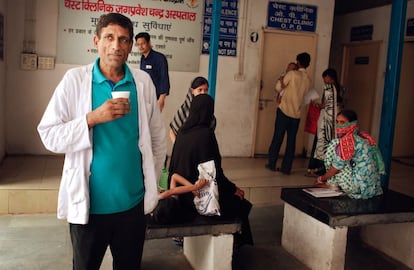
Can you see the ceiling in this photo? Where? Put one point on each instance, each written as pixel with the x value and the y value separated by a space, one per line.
pixel 347 6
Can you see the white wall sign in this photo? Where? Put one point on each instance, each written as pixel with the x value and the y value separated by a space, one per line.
pixel 174 25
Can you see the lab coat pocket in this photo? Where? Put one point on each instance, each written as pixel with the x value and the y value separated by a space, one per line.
pixel 75 186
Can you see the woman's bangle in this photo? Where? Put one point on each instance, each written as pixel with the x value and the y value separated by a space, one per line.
pixel 319 179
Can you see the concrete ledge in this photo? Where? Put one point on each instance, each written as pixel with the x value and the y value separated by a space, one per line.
pixel 208 252
pixel 23 201
pixel 314 243
pixel 396 240
pixel 315 229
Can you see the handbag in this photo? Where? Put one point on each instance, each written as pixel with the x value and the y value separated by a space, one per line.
pixel 207 201
pixel 312 117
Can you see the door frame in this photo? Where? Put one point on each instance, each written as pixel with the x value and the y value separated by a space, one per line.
pixel 311 70
pixel 344 65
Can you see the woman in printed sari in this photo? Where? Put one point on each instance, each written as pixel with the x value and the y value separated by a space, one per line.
pixel 329 108
pixel 353 160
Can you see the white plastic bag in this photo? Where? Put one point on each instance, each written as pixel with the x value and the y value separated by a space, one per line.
pixel 207 203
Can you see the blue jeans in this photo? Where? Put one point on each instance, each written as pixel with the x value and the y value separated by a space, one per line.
pixel 283 124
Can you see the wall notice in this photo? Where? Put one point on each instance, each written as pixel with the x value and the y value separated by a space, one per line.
pixel 228 27
pixel 174 25
pixel 410 27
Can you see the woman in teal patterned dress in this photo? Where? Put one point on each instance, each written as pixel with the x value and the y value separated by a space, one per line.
pixel 354 161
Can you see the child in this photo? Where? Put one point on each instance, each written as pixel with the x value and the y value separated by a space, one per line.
pixel 169 210
pixel 290 66
pixel 184 187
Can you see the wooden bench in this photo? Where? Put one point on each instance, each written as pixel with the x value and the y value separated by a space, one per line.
pixel 208 241
pixel 315 229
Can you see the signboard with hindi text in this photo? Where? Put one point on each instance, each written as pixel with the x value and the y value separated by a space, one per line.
pixel 228 27
pixel 291 16
pixel 174 25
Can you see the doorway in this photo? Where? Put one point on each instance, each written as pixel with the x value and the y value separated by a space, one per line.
pixel 359 77
pixel 279 48
pixel 403 146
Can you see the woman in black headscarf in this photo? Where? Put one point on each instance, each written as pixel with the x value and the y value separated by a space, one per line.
pixel 195 144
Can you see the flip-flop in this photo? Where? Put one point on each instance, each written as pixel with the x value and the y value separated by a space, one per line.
pixel 311 173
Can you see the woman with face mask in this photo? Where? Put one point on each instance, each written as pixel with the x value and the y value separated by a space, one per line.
pixel 353 160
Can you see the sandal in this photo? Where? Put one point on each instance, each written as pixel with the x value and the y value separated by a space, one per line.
pixel 311 173
pixel 319 171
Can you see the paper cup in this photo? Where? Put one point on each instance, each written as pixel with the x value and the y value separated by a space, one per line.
pixel 120 94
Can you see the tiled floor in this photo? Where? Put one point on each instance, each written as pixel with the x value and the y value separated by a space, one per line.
pixel 40 241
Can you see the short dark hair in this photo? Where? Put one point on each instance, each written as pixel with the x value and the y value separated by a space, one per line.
pixel 349 114
pixel 333 74
pixel 144 35
pixel 198 81
pixel 114 18
pixel 303 59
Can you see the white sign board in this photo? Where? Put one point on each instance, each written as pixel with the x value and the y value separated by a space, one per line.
pixel 174 25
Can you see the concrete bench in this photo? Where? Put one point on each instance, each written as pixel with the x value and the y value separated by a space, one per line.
pixel 315 229
pixel 208 241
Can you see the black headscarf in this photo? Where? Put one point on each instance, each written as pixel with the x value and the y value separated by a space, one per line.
pixel 201 113
pixel 196 143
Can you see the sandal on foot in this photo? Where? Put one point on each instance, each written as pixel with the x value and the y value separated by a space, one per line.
pixel 311 173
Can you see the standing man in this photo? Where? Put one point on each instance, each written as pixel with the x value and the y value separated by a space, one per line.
pixel 156 65
pixel 114 150
pixel 294 84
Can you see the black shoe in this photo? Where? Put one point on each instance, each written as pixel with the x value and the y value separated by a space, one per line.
pixel 284 172
pixel 267 166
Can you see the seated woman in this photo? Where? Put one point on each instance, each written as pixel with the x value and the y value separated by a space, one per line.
pixel 353 161
pixel 195 144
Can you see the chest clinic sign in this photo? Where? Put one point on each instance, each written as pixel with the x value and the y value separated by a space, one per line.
pixel 174 25
pixel 291 16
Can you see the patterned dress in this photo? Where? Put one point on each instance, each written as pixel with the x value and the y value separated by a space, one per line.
pixel 359 177
pixel 182 114
pixel 326 121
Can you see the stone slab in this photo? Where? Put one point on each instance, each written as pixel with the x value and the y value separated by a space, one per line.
pixel 391 207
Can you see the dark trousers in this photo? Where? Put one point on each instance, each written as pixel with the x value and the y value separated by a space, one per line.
pixel 315 163
pixel 123 232
pixel 283 124
pixel 232 207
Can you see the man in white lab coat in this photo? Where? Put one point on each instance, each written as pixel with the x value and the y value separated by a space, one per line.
pixel 114 150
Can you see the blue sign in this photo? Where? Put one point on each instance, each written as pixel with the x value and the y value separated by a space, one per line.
pixel 291 17
pixel 363 32
pixel 228 27
pixel 410 27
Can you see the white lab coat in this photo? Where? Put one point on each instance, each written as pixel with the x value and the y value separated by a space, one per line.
pixel 63 129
